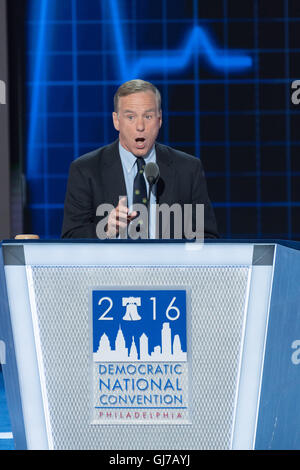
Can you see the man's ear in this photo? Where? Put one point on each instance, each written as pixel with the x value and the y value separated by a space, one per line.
pixel 116 121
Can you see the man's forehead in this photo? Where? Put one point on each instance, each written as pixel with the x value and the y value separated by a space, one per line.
pixel 143 98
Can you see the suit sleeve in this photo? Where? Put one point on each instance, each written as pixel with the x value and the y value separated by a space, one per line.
pixel 200 196
pixel 79 219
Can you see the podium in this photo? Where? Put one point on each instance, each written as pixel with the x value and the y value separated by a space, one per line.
pixel 151 345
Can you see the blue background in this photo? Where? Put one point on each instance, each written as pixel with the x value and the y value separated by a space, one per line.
pixel 240 122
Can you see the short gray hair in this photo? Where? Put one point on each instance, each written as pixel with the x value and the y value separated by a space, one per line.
pixel 136 86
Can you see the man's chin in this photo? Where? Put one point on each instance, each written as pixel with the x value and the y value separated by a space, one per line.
pixel 138 152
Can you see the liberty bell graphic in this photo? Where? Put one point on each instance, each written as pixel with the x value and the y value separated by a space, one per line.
pixel 131 304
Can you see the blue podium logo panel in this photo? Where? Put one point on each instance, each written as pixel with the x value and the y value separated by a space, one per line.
pixel 139 356
pixel 139 325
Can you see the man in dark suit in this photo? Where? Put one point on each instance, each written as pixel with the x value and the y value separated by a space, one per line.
pixel 112 177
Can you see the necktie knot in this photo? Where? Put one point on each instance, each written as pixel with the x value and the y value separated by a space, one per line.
pixel 140 164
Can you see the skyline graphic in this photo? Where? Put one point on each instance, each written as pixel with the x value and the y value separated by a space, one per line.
pixel 168 350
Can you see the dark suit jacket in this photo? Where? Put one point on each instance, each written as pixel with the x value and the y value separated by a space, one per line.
pixel 97 178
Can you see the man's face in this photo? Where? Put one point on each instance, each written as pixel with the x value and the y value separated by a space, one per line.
pixel 138 121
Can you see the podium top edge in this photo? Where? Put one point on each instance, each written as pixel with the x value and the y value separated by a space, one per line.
pixel 287 243
pixel 93 252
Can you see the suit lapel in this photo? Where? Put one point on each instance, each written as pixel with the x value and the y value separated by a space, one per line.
pixel 165 189
pixel 166 182
pixel 113 177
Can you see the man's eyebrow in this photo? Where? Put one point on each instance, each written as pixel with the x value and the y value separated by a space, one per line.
pixel 152 110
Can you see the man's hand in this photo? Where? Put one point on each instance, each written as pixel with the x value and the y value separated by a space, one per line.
pixel 119 218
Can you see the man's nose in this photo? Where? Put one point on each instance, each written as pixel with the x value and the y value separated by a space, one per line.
pixel 140 125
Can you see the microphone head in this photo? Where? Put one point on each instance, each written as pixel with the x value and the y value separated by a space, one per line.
pixel 151 172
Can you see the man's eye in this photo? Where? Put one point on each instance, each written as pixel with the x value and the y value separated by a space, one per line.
pixel 130 117
pixel 149 116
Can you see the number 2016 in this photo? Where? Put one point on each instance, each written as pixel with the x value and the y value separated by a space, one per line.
pixel 172 312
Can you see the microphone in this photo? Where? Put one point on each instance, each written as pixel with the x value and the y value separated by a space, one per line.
pixel 152 174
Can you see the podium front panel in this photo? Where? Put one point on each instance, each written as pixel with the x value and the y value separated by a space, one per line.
pixel 72 401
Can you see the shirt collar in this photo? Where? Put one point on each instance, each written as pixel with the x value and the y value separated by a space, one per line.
pixel 128 159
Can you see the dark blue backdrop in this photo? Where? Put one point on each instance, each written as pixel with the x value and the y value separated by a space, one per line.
pixel 224 68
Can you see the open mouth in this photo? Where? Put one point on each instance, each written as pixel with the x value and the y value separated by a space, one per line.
pixel 140 142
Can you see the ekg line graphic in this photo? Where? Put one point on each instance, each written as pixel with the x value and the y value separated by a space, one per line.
pixel 197 42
